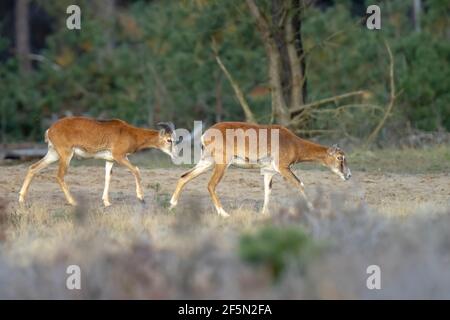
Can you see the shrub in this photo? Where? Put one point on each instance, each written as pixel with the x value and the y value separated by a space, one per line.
pixel 276 247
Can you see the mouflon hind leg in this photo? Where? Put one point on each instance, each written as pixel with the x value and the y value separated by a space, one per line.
pixel 64 160
pixel 49 158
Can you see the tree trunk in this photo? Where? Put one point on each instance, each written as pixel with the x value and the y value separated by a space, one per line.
pixel 279 14
pixel 286 26
pixel 417 11
pixel 280 113
pixel 282 41
pixel 106 13
pixel 298 6
pixel 279 107
pixel 22 36
pixel 110 18
pixel 296 96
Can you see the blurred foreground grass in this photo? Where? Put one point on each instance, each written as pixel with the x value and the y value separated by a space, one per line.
pixel 135 253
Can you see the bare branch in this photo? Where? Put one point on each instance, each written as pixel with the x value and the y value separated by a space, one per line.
pixel 327 100
pixel 240 96
pixel 347 106
pixel 261 20
pixel 41 58
pixel 312 131
pixel 392 97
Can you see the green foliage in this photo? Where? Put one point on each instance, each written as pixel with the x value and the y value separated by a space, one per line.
pixel 154 62
pixel 426 81
pixel 275 248
pixel 356 58
pixel 160 67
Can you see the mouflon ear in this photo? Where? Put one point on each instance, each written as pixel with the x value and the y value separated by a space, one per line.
pixel 168 127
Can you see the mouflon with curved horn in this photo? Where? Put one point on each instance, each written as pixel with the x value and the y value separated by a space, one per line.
pixel 110 140
pixel 168 127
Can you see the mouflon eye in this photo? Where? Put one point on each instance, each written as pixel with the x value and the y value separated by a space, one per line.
pixel 340 158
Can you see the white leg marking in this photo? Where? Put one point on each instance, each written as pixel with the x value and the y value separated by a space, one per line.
pixel 267 189
pixel 173 203
pixel 51 155
pixel 222 212
pixel 139 192
pixel 105 197
pixel 49 158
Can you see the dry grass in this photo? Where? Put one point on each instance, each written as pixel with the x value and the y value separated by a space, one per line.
pixel 400 222
pixel 406 160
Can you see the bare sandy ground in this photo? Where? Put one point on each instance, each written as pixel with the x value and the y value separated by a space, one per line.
pixel 240 189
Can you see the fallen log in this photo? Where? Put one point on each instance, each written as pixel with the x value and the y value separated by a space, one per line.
pixel 22 153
